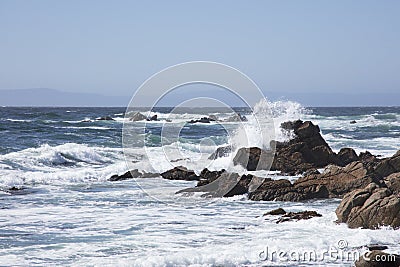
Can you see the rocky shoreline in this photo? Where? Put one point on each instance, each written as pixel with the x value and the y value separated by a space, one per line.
pixel 369 186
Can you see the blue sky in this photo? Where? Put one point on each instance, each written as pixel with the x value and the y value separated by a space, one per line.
pixel 111 47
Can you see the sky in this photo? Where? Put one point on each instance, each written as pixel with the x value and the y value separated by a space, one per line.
pixel 289 48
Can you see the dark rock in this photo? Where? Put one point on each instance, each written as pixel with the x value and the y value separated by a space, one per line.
pixel 367 157
pixel 278 211
pixel 253 158
pixel 133 174
pixel 105 118
pixel 180 173
pixel 377 258
pixel 353 122
pixel 346 156
pixel 296 216
pixel 152 118
pixel 370 207
pixel 202 120
pixel 207 176
pixel 372 247
pixel 137 117
pixel 222 151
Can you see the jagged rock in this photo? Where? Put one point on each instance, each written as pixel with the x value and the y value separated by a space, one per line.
pixel 339 180
pixel 180 173
pixel 137 117
pixel 296 216
pixel 152 118
pixel 222 151
pixel 253 158
pixel 346 156
pixel 388 166
pixel 393 182
pixel 378 258
pixel 207 176
pixel 370 207
pixel 367 157
pixel 105 118
pixel 202 120
pixel 291 216
pixel 227 185
pixel 133 174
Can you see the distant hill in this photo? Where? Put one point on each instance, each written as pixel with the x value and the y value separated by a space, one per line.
pixel 52 97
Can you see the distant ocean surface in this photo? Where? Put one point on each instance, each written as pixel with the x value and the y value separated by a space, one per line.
pixel 69 214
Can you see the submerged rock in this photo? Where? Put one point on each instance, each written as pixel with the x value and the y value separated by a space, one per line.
pixel 202 120
pixel 292 216
pixel 105 118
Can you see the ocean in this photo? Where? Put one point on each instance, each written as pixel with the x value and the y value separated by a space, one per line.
pixel 69 214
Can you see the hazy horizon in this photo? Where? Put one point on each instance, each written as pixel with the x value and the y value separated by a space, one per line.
pixel 301 51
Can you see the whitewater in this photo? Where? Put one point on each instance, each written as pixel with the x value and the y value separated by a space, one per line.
pixel 66 212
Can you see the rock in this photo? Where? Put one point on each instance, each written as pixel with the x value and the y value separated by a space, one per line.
pixel 105 118
pixel 137 117
pixel 377 258
pixel 253 158
pixel 227 185
pixel 339 180
pixel 133 174
pixel 152 118
pixel 207 176
pixel 372 247
pixel 353 122
pixel 367 157
pixel 202 120
pixel 393 182
pixel 278 211
pixel 296 216
pixel 388 166
pixel 180 173
pixel 213 118
pixel 370 207
pixel 222 151
pixel 346 156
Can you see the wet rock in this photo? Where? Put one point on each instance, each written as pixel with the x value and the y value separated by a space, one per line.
pixel 378 258
pixel 372 247
pixel 370 207
pixel 236 118
pixel 105 118
pixel 180 173
pixel 222 151
pixel 207 176
pixel 296 216
pixel 133 174
pixel 353 122
pixel 278 211
pixel 202 120
pixel 152 118
pixel 137 116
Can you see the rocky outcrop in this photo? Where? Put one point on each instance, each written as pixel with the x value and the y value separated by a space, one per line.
pixel 222 151
pixel 393 182
pixel 292 216
pixel 388 166
pixel 346 156
pixel 133 174
pixel 137 116
pixel 202 120
pixel 370 207
pixel 306 150
pixel 378 258
pixel 180 173
pixel 152 118
pixel 339 180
